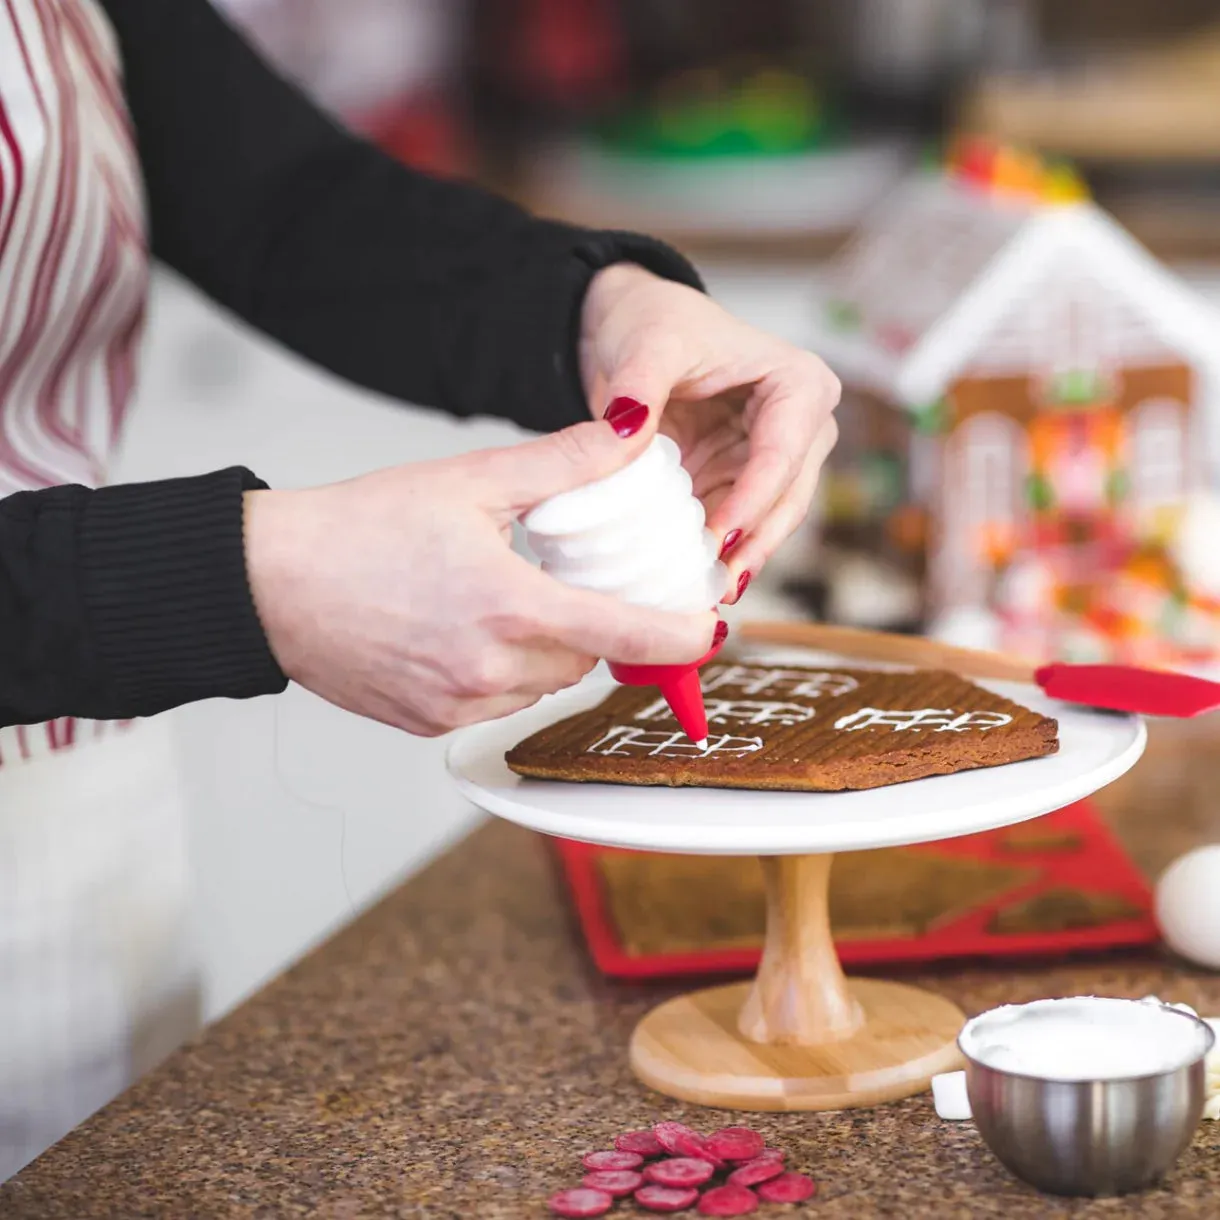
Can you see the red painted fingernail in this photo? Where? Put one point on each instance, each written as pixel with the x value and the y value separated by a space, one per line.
pixel 626 416
pixel 731 539
pixel 721 633
pixel 743 582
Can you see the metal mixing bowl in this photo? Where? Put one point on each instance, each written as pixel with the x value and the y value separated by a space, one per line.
pixel 1106 1137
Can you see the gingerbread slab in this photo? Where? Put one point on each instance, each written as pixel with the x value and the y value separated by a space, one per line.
pixel 793 728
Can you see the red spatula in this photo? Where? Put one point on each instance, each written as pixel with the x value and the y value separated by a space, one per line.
pixel 1119 688
pixel 1126 688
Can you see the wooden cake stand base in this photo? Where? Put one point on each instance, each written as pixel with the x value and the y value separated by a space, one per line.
pixel 800 1037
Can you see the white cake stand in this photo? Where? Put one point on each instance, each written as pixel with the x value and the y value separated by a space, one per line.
pixel 800 1036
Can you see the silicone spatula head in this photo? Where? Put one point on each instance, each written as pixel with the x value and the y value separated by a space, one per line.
pixel 1127 688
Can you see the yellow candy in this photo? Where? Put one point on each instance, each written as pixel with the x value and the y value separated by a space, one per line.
pixel 1062 185
pixel 1163 524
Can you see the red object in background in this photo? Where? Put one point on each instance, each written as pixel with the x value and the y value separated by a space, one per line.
pixel 1098 865
pixel 423 133
pixel 976 162
pixel 567 53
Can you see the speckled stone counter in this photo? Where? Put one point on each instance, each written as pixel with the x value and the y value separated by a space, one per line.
pixel 452 1054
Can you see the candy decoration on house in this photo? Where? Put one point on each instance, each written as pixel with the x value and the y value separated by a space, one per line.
pixel 1025 417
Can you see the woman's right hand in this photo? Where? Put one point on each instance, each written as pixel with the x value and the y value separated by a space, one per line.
pixel 397 595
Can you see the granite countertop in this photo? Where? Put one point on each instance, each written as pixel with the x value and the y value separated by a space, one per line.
pixel 452 1054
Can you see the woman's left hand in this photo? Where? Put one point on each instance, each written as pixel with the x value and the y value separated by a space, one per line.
pixel 753 415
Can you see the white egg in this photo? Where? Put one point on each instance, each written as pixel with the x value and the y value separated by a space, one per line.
pixel 1188 906
pixel 1194 546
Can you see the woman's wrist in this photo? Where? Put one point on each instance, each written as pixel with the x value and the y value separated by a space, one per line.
pixel 268 534
pixel 607 286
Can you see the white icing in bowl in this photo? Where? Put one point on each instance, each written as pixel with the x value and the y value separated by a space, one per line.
pixel 1085 1038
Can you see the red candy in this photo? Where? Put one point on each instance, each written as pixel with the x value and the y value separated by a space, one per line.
pixel 580 1202
pixel 760 1169
pixel 687 1162
pixel 668 1135
pixel 735 1144
pixel 612 1160
pixel 616 1182
pixel 696 1146
pixel 679 1171
pixel 727 1201
pixel 643 1142
pixel 665 1198
pixel 788 1188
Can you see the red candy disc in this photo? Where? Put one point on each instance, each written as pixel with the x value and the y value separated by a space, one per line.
pixel 788 1188
pixel 735 1144
pixel 727 1201
pixel 680 1171
pixel 616 1182
pixel 693 1145
pixel 665 1198
pixel 760 1169
pixel 643 1142
pixel 668 1135
pixel 612 1160
pixel 580 1202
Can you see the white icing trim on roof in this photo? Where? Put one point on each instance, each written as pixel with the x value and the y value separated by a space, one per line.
pixel 850 355
pixel 1175 313
pixel 1182 319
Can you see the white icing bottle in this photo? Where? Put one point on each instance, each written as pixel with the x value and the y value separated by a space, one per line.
pixel 639 535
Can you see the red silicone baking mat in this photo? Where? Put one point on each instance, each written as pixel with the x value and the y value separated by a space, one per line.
pixel 1058 884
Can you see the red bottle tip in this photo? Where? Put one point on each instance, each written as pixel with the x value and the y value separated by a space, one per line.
pixel 684 694
pixel 679 685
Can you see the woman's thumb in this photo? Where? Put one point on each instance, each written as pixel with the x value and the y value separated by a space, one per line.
pixel 519 477
pixel 642 374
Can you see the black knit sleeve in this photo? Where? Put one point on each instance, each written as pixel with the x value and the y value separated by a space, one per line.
pixel 434 292
pixel 128 601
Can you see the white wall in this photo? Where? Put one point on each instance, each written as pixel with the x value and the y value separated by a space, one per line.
pixel 266 845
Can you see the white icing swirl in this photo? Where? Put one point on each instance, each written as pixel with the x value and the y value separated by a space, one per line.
pixel 637 534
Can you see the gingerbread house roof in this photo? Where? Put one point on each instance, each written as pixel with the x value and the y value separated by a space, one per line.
pixel 946 281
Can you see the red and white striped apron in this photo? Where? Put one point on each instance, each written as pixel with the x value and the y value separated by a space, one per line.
pixel 94 977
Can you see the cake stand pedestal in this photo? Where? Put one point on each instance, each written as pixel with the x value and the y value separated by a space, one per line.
pixel 800 1036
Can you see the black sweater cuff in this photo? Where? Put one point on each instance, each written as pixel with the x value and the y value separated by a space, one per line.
pixel 563 402
pixel 168 601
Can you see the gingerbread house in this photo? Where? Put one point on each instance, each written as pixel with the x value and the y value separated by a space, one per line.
pixel 1028 397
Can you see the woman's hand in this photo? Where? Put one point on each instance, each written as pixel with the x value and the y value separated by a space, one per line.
pixel 752 414
pixel 397 595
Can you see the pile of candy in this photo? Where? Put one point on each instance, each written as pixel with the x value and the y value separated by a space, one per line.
pixel 1140 611
pixel 1005 169
pixel 672 1168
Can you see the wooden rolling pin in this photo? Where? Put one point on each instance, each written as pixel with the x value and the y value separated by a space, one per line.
pixel 916 651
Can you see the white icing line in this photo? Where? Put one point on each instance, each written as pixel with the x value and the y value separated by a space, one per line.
pixel 627 739
pixel 739 711
pixel 767 680
pixel 938 719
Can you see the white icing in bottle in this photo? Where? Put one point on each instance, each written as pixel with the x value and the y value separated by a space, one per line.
pixel 637 534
